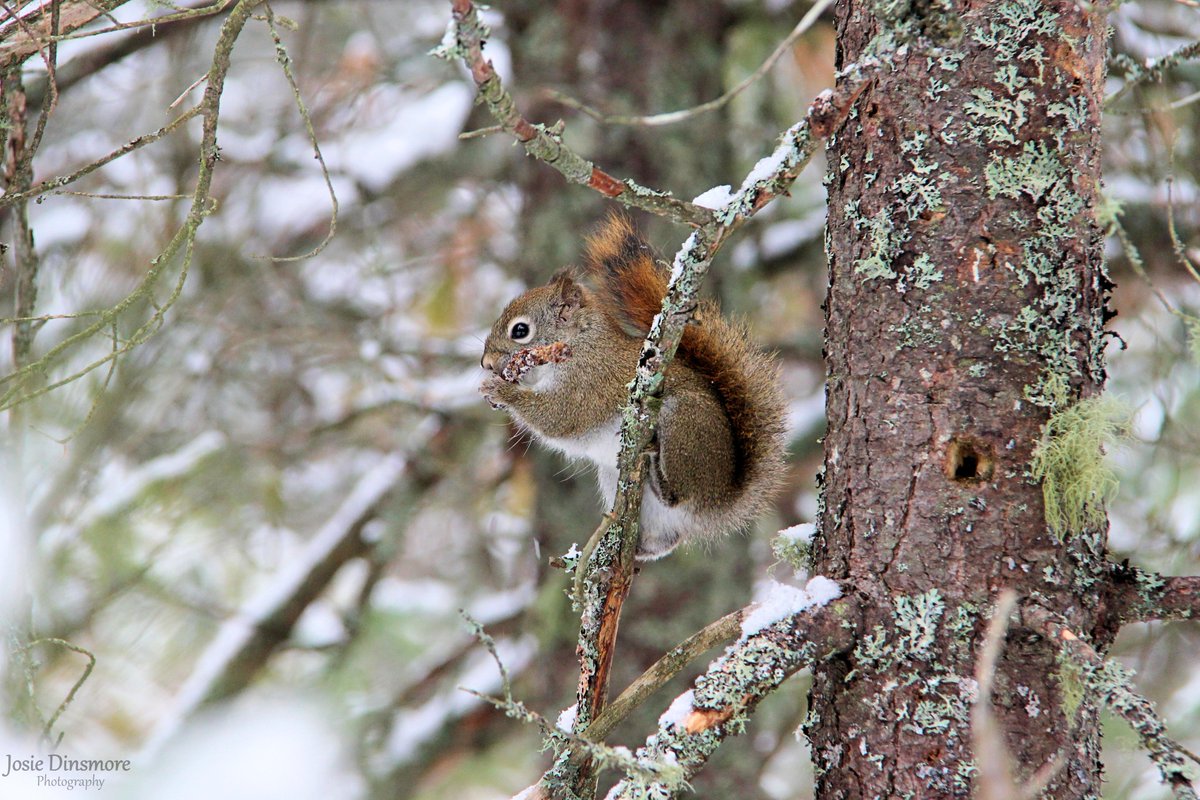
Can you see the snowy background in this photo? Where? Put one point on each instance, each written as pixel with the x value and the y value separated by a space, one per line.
pixel 264 521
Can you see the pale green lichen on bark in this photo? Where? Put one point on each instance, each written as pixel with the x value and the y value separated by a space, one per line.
pixel 1069 461
pixel 884 241
pixel 1071 686
pixel 796 552
pixel 1032 164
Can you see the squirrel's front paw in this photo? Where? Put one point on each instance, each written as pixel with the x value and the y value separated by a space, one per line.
pixel 491 389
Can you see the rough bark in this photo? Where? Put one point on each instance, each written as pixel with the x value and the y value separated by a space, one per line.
pixel 966 304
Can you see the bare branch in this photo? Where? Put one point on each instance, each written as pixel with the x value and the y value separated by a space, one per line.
pixel 285 63
pixel 53 184
pixel 24 381
pixel 24 34
pixel 995 781
pixel 667 667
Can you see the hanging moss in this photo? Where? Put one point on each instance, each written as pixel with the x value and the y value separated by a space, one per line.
pixel 1069 461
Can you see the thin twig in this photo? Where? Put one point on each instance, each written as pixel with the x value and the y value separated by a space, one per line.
pixel 672 117
pixel 992 757
pixel 667 667
pixel 544 143
pixel 21 49
pixel 50 184
pixel 1152 69
pixel 1176 242
pixel 182 244
pixel 997 779
pixel 48 728
pixel 285 63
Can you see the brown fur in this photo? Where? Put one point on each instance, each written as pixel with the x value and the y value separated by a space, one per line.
pixel 631 284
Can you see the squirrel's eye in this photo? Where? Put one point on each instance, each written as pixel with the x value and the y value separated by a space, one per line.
pixel 521 331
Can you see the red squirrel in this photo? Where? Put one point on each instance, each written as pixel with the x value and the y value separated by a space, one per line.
pixel 562 356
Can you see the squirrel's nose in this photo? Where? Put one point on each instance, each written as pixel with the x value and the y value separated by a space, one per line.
pixel 488 362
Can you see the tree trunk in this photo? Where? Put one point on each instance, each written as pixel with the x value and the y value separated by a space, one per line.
pixel 967 299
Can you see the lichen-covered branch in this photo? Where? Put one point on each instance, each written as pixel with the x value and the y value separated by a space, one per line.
pixel 59 181
pixel 1151 70
pixel 1141 596
pixel 26 382
pixel 23 150
pixel 1111 684
pixel 18 177
pixel 465 41
pixel 719 704
pixel 661 671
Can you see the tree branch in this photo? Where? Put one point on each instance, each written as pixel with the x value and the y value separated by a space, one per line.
pixel 22 35
pixel 1151 70
pixel 722 699
pixel 245 642
pixel 1141 596
pixel 672 117
pixel 996 777
pixel 544 143
pixel 667 667
pixel 1113 686
pixel 181 244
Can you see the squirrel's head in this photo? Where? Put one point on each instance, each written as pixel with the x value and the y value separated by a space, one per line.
pixel 544 315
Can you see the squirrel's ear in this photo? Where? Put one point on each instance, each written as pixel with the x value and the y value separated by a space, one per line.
pixel 570 294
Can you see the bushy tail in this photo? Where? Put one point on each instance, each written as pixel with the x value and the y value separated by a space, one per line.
pixel 631 284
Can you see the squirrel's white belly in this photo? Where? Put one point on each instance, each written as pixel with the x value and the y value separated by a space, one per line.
pixel 662 525
pixel 599 445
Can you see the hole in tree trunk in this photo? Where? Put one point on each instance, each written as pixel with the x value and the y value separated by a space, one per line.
pixel 967 467
pixel 969 461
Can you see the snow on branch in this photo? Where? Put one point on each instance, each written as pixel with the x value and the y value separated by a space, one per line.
pixel 720 702
pixel 246 641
